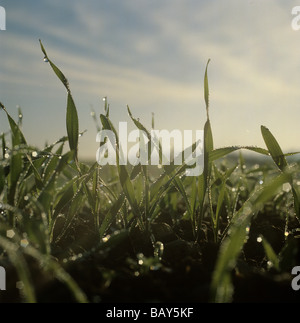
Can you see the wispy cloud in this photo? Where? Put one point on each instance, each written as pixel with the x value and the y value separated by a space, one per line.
pixel 152 55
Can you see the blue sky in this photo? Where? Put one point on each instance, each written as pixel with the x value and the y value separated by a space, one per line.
pixel 151 54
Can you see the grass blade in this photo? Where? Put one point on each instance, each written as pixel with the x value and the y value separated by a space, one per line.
pixel 274 148
pixel 206 90
pixel 72 116
pixel 72 124
pixel 56 70
pixel 270 253
pixel 222 152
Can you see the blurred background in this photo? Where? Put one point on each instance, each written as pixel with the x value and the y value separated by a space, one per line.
pixel 152 55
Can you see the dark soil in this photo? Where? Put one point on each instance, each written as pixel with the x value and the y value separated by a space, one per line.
pixel 127 268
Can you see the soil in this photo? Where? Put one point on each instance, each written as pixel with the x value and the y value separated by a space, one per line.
pixel 127 268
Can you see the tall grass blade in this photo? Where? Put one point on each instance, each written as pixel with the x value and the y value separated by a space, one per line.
pixel 56 70
pixel 206 90
pixel 274 148
pixel 72 116
pixel 72 124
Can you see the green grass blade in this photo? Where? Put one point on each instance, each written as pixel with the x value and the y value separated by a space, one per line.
pixel 139 125
pixel 208 144
pixel 128 189
pixel 219 206
pixel 274 148
pixel 72 116
pixel 271 189
pixel 2 179
pixel 178 184
pixel 37 176
pixel 206 90
pixel 56 70
pixel 111 215
pixel 20 117
pixel 222 152
pixel 72 124
pixel 3 142
pixel 296 202
pixel 270 253
pixel 17 135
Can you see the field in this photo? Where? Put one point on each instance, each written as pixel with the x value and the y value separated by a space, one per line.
pixel 77 232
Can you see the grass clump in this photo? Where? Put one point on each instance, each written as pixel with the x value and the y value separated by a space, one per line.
pixel 70 231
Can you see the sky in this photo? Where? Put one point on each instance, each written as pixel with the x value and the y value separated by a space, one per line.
pixel 151 55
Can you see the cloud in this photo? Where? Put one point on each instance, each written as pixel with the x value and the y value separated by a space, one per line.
pixel 152 55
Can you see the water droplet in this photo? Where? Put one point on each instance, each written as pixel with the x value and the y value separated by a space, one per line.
pixel 26 198
pixel 34 154
pixel 105 239
pixel 46 60
pixel 10 234
pixel 261 182
pixel 6 156
pixel 286 187
pixel 19 285
pixel 140 256
pixel 286 234
pixel 259 239
pixel 248 229
pixel 24 243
